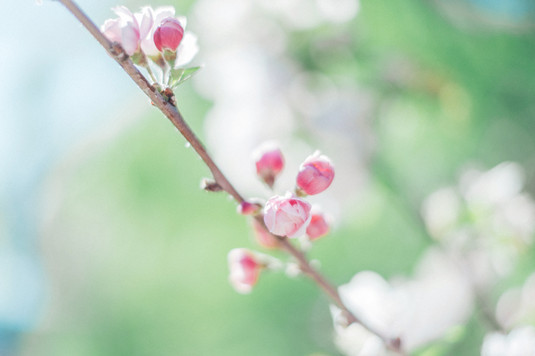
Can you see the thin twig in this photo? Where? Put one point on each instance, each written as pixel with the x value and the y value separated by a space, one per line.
pixel 172 113
pixel 392 343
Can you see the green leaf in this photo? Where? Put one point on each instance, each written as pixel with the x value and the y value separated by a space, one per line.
pixel 180 75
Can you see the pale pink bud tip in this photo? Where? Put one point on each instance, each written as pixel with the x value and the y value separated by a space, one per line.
pixel 315 175
pixel 168 35
pixel 287 216
pixel 318 227
pixel 248 208
pixel 244 269
pixel 263 237
pixel 269 163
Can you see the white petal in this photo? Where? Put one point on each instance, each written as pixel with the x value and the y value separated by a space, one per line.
pixel 148 46
pixel 129 39
pixel 183 21
pixel 112 30
pixel 187 50
pixel 145 19
pixel 161 13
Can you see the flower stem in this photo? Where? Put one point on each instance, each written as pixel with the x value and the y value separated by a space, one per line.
pixel 172 113
pixel 151 74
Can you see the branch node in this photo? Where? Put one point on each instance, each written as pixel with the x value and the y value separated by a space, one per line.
pixel 169 96
pixel 118 52
pixel 210 185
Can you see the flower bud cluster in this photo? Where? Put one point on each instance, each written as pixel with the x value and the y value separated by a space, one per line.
pixel 155 35
pixel 281 216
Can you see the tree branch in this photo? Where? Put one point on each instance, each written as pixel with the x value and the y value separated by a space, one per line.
pixel 172 113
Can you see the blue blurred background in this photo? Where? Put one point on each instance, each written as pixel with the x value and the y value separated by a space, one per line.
pixel 107 247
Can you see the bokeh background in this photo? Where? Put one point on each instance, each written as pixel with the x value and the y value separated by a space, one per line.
pixel 108 246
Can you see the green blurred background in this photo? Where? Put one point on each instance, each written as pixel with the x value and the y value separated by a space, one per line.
pixel 124 255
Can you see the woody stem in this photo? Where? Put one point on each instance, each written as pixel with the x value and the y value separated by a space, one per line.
pixel 172 113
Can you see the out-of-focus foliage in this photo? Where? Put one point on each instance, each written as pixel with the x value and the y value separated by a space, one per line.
pixel 133 254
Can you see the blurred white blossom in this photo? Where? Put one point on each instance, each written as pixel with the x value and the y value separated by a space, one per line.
pixel 355 340
pixel 517 306
pixel 302 14
pixel 519 342
pixel 261 93
pixel 418 310
pixel 485 222
pixel 441 211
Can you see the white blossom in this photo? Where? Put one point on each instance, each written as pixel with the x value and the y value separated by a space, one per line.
pixel 486 222
pixel 519 342
pixel 517 306
pixel 418 310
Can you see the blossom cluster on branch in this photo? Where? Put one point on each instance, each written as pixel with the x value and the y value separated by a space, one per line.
pixel 478 228
pixel 155 38
pixel 283 216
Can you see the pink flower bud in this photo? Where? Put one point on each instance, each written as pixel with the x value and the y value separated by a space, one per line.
pixel 168 35
pixel 244 269
pixel 263 237
pixel 269 163
pixel 318 226
pixel 287 216
pixel 248 208
pixel 315 175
